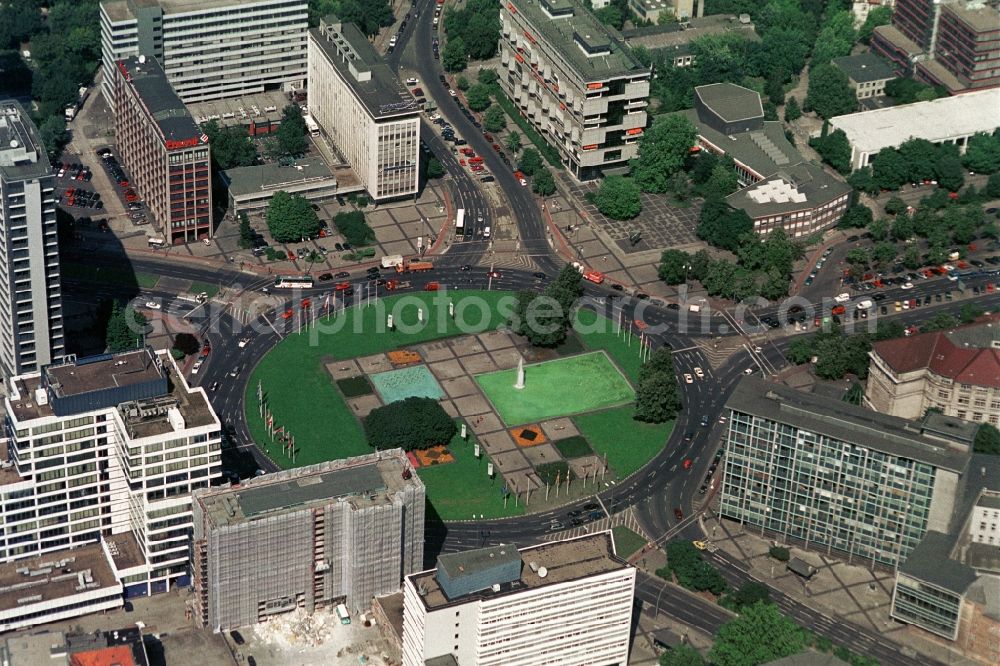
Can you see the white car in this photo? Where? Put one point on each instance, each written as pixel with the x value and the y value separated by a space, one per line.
pixel 522 181
pixel 865 304
pixel 452 92
pixel 153 305
pixel 908 285
pixel 748 371
pixel 244 342
pixel 842 298
pixel 196 367
pixel 412 81
pixel 688 379
pixel 699 373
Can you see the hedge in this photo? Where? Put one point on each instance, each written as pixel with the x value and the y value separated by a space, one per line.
pixel 550 154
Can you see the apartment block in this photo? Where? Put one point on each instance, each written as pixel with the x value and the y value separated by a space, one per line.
pixel 107 449
pixel 575 82
pixel 835 476
pixel 339 532
pixel 950 43
pixel 866 73
pixel 31 324
pixel 956 372
pixel 361 105
pixel 565 603
pixel 209 49
pixel 167 154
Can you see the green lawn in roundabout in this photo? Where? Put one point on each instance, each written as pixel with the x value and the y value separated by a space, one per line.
pixel 305 400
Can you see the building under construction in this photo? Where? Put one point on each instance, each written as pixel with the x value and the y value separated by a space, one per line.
pixel 339 532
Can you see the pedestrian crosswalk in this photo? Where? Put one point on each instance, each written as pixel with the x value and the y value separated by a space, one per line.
pixel 625 518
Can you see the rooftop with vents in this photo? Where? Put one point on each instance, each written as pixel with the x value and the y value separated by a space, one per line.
pixel 487 573
pixel 58 575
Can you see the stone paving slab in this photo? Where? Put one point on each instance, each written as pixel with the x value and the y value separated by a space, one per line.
pixel 497 442
pixel 449 407
pixel 523 480
pixel 485 423
pixel 586 465
pixel 447 369
pixel 460 386
pixel 510 461
pixel 435 351
pixel 363 405
pixel 472 405
pixel 343 369
pixel 541 454
pixel 466 345
pixel 562 428
pixel 506 359
pixel 477 364
pixel 496 340
pixel 375 363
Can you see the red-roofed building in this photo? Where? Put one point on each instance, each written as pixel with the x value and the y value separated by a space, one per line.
pixel 118 655
pixel 956 371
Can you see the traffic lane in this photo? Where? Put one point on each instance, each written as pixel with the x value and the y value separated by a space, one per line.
pixel 681 605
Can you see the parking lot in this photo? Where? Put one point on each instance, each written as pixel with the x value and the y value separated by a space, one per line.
pixel 123 187
pixel 76 194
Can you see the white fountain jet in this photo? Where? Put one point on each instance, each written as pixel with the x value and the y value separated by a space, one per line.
pixel 520 374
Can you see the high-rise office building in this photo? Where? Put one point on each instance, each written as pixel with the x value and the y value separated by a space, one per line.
pixel 836 476
pixel 338 532
pixel 107 448
pixel 361 105
pixel 574 81
pixel 167 154
pixel 209 49
pixel 31 324
pixel 565 603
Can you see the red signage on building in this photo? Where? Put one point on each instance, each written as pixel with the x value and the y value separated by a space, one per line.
pixel 172 144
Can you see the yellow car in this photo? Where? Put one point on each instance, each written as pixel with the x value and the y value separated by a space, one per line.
pixel 899 306
pixel 700 545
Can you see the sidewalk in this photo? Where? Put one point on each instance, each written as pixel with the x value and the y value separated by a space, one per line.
pixel 850 591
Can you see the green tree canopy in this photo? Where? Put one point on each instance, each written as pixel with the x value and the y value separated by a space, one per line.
pixel 877 16
pixel 657 399
pixel 722 225
pixel 434 168
pixel 889 169
pixel 830 94
pixel 231 146
pixel 792 110
pixel 290 218
pixel 721 183
pixel 673 267
pixel 514 142
pixel 681 655
pixel 982 154
pixel 543 183
pixel 949 172
pixel 455 55
pixel 413 423
pixel 478 97
pixel 494 120
pixel 530 162
pixel 863 180
pixel 987 440
pixel 126 328
pixel 487 76
pixel 760 634
pixel 54 136
pixel 857 216
pixel 368 15
pixel 835 150
pixel 292 132
pixel 662 152
pixel 618 198
pixel 920 156
pixel 354 228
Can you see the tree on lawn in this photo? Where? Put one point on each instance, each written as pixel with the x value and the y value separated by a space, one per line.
pixel 674 266
pixel 462 83
pixel 618 198
pixel 656 398
pixel 721 183
pixel 126 328
pixel 494 119
pixel 434 168
pixel 830 94
pixel 487 76
pixel 722 225
pixel 530 162
pixel 987 440
pixel 760 634
pixel 54 136
pixel 231 146
pixel 455 55
pixel 543 183
pixel 889 169
pixel 750 593
pixel 514 142
pixel 857 216
pixel 290 218
pixel 539 318
pixel 246 231
pixel 478 97
pixel 567 288
pixel 413 423
pixel 187 344
pixel 863 181
pixel 662 152
pixel 292 132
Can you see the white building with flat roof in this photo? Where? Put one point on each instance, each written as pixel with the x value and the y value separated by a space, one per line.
pixel 362 107
pixel 107 448
pixel 209 49
pixel 31 326
pixel 565 603
pixel 946 120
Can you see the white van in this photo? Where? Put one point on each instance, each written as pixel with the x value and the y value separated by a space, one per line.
pixel 486 232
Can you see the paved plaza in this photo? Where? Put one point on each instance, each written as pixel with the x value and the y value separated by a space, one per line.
pixel 454 364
